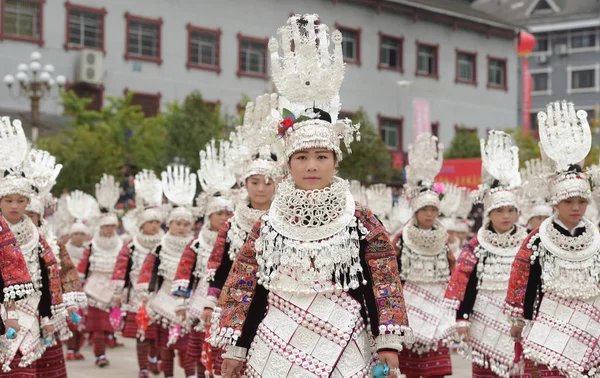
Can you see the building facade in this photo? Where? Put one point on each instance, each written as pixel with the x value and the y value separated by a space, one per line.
pixel 462 61
pixel 566 61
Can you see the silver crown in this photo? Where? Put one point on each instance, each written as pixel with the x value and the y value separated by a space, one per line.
pixel 425 159
pixel 13 151
pixel 81 205
pixel 148 188
pixel 216 175
pixel 179 186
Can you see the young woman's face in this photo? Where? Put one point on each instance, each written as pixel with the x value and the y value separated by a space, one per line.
pixel 13 207
pixel 535 222
pixel 218 219
pixel 151 227
pixel 312 168
pixel 35 217
pixel 180 227
pixel 260 190
pixel 108 231
pixel 571 210
pixel 426 217
pixel 78 238
pixel 503 218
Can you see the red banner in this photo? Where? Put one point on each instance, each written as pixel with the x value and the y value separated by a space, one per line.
pixel 397 159
pixel 527 85
pixel 421 118
pixel 461 172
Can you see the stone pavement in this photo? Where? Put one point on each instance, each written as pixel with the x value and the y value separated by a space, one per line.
pixel 123 364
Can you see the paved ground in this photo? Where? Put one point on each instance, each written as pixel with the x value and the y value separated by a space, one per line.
pixel 123 364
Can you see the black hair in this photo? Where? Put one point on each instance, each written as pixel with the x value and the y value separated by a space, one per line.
pixel 321 114
pixel 574 168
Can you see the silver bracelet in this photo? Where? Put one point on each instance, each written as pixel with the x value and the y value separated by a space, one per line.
pixel 234 352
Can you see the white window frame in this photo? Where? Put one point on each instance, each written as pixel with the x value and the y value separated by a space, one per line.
pixel 426 55
pixel 395 129
pixel 473 64
pixel 354 40
pixel 547 92
pixel 200 43
pixel 140 32
pixel 596 88
pixel 250 50
pixel 83 26
pixel 547 52
pixel 595 48
pixel 395 48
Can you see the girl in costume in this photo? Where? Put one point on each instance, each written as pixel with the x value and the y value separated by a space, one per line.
pixel 97 266
pixel 425 263
pixel 216 177
pixel 315 289
pixel 554 289
pixel 149 217
pixel 155 281
pixel 480 280
pixel 38 312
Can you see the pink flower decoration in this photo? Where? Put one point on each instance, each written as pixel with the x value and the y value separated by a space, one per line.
pixel 439 188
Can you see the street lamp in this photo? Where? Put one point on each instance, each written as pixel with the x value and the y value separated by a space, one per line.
pixel 35 81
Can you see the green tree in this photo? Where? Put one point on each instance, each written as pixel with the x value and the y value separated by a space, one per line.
pixel 465 144
pixel 370 161
pixel 527 143
pixel 189 126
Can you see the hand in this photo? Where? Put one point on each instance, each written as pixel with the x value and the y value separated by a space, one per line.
pixel 47 330
pixel 145 299
pixel 391 359
pixel 464 333
pixel 71 310
pixel 515 332
pixel 116 301
pixel 180 314
pixel 206 315
pixel 13 323
pixel 232 368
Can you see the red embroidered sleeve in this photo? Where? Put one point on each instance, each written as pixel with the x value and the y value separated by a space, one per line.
pixel 185 268
pixel 84 262
pixel 451 259
pixel 73 294
pixel 120 272
pixel 146 271
pixel 56 298
pixel 455 292
pixel 380 256
pixel 237 294
pixel 216 256
pixel 519 277
pixel 13 268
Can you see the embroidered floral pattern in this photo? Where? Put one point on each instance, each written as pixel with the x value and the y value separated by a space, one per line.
pixel 465 265
pixel 17 281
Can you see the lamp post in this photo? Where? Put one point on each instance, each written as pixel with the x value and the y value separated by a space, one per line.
pixel 34 82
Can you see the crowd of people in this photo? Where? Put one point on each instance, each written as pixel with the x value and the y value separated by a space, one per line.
pixel 296 272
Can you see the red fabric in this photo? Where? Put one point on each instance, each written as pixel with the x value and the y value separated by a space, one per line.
pixel 75 342
pixel 519 276
pixel 146 269
pixel 432 363
pixel 151 333
pixel 130 328
pixel 16 371
pixel 12 265
pixel 194 347
pixel 84 262
pixel 120 272
pixel 97 320
pixel 69 278
pixel 162 337
pixel 187 261
pixel 168 357
pixel 545 372
pixel 142 349
pixel 216 256
pixel 99 343
pixel 52 363
pixel 457 286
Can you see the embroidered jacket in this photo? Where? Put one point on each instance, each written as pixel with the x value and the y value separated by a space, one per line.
pixel 73 294
pixel 15 281
pixel 243 303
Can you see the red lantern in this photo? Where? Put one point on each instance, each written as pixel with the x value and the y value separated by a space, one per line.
pixel 526 43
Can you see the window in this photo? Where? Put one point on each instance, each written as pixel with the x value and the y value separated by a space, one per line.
pixel 93 92
pixel 213 105
pixel 22 20
pixel 497 73
pixel 435 129
pixel 542 43
pixel 583 79
pixel 583 38
pixel 533 121
pixel 143 38
pixel 540 82
pixel 204 48
pixel 390 130
pixel 390 53
pixel 350 44
pixel 85 27
pixel 149 102
pixel 466 67
pixel 252 57
pixel 427 60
